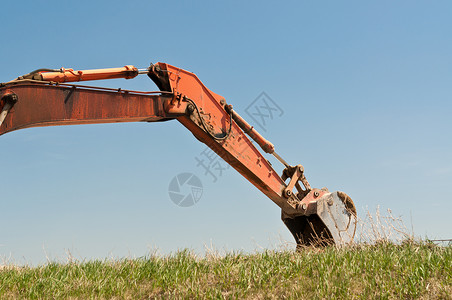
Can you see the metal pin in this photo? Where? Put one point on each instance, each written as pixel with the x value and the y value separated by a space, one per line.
pixel 143 71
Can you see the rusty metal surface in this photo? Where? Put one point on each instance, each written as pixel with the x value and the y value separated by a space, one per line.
pixel 45 105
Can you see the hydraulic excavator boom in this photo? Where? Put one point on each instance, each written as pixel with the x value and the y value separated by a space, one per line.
pixel 42 98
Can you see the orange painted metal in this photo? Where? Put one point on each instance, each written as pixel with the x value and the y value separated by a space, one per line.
pixel 69 75
pixel 237 150
pixel 41 104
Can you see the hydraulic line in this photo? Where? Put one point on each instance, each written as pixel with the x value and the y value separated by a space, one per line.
pixel 226 134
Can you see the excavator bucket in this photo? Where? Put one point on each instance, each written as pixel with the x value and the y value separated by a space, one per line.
pixel 329 219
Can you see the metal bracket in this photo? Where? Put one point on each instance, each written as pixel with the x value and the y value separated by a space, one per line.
pixel 295 174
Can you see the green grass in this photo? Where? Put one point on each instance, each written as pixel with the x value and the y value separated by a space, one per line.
pixel 383 271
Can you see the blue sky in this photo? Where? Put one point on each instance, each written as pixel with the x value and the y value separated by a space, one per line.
pixel 365 88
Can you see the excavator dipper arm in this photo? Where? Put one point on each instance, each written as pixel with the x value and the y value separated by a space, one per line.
pixel 41 98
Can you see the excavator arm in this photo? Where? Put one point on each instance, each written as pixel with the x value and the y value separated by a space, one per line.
pixel 43 98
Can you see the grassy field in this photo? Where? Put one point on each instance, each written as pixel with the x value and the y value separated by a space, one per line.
pixel 383 271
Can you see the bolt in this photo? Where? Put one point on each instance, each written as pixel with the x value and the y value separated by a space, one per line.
pixel 300 168
pixel 330 202
pixel 228 108
pixel 190 108
pixel 288 193
pixel 222 102
pixel 304 206
pixel 316 194
pixel 10 98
